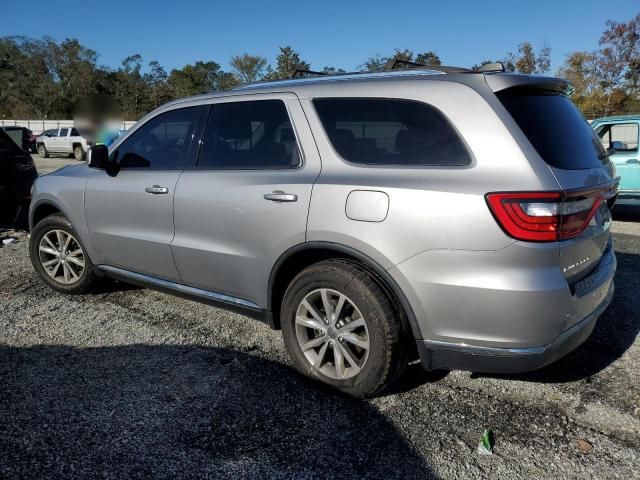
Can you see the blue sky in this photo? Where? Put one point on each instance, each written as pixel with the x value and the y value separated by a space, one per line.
pixel 326 33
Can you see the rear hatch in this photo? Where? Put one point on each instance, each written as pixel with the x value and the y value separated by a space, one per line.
pixel 587 180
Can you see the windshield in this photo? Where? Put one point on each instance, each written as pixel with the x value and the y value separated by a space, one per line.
pixel 556 129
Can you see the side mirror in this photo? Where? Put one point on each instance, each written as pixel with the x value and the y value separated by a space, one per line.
pixel 98 157
pixel 617 146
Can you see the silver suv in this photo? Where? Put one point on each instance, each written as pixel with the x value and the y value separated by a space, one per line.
pixel 459 218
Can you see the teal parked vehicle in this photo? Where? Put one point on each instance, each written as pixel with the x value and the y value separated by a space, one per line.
pixel 619 135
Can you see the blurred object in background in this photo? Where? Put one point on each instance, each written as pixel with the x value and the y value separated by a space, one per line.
pixel 99 119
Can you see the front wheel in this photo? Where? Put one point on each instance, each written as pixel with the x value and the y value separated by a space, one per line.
pixel 59 257
pixel 78 152
pixel 42 151
pixel 341 328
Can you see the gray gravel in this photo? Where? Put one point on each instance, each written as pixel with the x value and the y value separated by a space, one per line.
pixel 52 163
pixel 134 383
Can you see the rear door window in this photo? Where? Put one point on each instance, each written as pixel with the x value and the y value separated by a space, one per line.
pixel 556 129
pixel 250 135
pixel 385 131
pixel 626 133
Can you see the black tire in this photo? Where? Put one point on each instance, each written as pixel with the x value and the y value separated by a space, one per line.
pixel 78 153
pixel 42 151
pixel 387 330
pixel 87 277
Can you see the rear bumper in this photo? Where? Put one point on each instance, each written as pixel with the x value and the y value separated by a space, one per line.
pixel 443 355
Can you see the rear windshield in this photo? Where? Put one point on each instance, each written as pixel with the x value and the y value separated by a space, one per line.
pixel 556 129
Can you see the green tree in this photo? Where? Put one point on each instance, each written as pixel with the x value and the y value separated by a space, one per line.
pixel 429 59
pixel 581 69
pixel 156 82
pixel 130 87
pixel 287 62
pixel 75 69
pixel 27 77
pixel 527 61
pixel 201 77
pixel 248 68
pixel 619 59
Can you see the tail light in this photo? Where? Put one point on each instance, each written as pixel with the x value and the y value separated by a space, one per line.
pixel 545 216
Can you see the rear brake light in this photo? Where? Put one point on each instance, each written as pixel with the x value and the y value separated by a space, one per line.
pixel 544 216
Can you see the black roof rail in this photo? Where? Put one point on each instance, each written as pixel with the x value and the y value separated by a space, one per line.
pixel 299 73
pixel 491 67
pixel 396 63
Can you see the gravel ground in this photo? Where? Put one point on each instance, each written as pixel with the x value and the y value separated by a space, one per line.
pixel 54 162
pixel 134 383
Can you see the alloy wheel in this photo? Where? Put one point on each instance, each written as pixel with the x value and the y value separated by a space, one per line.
pixel 61 256
pixel 332 333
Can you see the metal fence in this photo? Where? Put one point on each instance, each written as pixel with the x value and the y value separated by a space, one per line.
pixel 42 125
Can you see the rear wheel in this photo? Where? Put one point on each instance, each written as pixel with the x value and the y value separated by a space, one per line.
pixel 42 151
pixel 341 328
pixel 59 257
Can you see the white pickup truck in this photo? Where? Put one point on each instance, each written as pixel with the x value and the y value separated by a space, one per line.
pixel 63 140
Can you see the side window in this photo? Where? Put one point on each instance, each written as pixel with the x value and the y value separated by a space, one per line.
pixel 74 133
pixel 52 133
pixel 249 135
pixel 162 143
pixel 627 133
pixel 384 131
pixel 63 132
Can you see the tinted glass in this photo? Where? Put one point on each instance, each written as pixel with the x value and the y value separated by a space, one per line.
pixel 52 133
pixel 8 146
pixel 64 132
pixel 162 143
pixel 74 132
pixel 377 131
pixel 626 133
pixel 249 135
pixel 556 129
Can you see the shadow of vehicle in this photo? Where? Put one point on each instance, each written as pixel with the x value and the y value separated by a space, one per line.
pixel 174 411
pixel 616 330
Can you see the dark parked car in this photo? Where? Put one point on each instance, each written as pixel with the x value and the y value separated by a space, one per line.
pixel 20 135
pixel 17 174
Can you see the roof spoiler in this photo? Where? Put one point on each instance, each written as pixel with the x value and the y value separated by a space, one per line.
pixel 500 83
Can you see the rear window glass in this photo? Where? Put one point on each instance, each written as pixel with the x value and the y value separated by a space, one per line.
pixel 556 129
pixel 381 131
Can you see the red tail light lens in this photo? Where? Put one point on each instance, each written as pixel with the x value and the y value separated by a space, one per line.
pixel 544 216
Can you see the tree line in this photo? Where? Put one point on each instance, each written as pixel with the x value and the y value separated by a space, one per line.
pixel 42 78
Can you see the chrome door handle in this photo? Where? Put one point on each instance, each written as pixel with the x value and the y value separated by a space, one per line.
pixel 280 196
pixel 156 189
pixel 633 161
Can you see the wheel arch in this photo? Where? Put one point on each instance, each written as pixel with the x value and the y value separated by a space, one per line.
pixel 42 210
pixel 301 256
